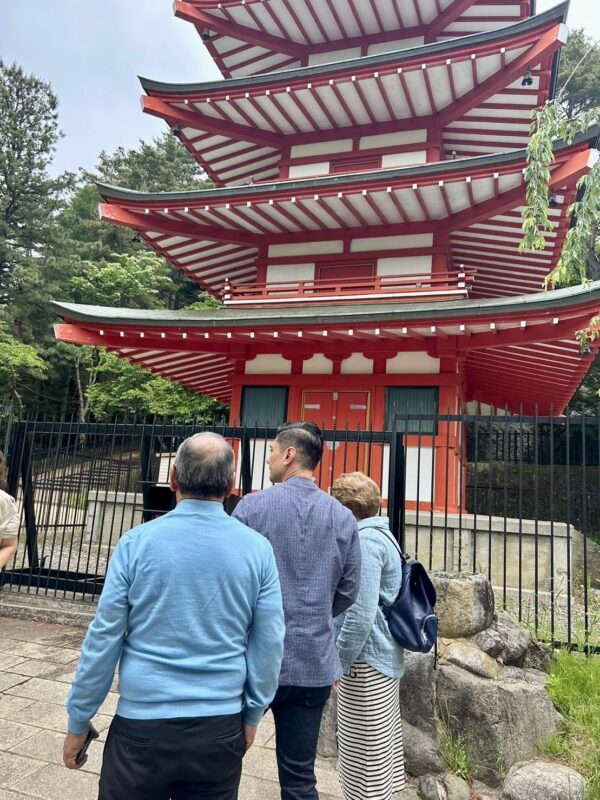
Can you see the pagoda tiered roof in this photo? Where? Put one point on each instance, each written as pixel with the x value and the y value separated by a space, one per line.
pixel 517 350
pixel 248 37
pixel 467 91
pixel 218 234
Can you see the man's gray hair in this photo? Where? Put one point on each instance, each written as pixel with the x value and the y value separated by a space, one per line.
pixel 204 466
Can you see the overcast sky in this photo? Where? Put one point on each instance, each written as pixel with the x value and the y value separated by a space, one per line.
pixel 92 51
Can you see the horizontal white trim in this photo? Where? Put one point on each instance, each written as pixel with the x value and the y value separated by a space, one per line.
pixel 320 298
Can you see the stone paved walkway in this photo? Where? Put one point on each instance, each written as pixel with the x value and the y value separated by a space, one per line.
pixel 37 663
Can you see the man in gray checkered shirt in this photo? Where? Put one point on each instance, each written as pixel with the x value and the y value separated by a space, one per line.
pixel 316 546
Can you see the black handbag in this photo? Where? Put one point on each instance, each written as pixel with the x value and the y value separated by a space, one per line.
pixel 411 618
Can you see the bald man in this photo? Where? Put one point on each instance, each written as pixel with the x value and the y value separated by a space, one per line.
pixel 192 609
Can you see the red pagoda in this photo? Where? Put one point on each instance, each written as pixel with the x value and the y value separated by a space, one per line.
pixel 364 233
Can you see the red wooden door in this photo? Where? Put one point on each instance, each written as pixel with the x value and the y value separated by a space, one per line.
pixel 338 411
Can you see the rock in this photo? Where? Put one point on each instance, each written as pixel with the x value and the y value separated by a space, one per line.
pixel 462 653
pixel 422 754
pixel 431 787
pixel 528 675
pixel 518 640
pixel 456 788
pixel 484 792
pixel 327 744
pixel 491 642
pixel 544 780
pixel 465 604
pixel 417 692
pixel 500 721
pixel 446 787
pixel 539 656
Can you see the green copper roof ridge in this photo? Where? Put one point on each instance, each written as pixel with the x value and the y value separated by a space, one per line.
pixel 377 311
pixel 558 12
pixel 118 192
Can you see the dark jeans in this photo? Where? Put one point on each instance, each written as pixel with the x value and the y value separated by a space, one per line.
pixel 297 711
pixel 173 759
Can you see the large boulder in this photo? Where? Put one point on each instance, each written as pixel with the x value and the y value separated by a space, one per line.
pixel 491 642
pixel 465 604
pixel 518 640
pixel 544 780
pixel 443 787
pixel 465 654
pixel 539 656
pixel 500 721
pixel 417 692
pixel 422 754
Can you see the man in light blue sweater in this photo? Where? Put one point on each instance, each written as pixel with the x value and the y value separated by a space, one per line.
pixel 192 610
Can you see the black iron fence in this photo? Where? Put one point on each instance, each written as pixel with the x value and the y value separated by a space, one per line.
pixel 517 498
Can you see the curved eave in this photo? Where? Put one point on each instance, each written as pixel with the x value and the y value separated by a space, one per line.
pixel 424 52
pixel 585 297
pixel 252 38
pixel 432 169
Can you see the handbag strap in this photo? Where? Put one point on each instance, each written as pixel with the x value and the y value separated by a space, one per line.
pixel 388 534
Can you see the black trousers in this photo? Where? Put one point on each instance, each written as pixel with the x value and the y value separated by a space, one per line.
pixel 173 759
pixel 297 711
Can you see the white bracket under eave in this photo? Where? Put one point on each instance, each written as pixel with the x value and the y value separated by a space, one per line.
pixel 563 33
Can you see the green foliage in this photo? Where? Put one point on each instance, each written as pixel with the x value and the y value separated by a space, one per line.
pixel 17 360
pixel 574 686
pixel 126 388
pixel 454 753
pixel 160 166
pixel 582 92
pixel 138 280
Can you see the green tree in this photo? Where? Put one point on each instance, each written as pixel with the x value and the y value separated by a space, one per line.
pixel 162 165
pixel 124 388
pixel 577 106
pixel 129 280
pixel 18 362
pixel 582 92
pixel 29 198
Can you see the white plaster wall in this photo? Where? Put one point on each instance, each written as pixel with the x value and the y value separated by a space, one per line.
pixel 306 248
pixel 397 44
pixel 409 265
pixel 290 272
pixel 308 170
pixel 392 139
pixel 413 364
pixel 391 242
pixel 317 365
pixel 336 55
pixel 357 364
pixel 402 159
pixel 321 148
pixel 421 489
pixel 268 365
pixel 259 453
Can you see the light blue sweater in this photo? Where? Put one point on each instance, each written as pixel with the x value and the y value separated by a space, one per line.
pixel 362 632
pixel 192 609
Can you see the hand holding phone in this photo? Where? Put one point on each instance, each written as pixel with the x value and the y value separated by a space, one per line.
pixel 91 735
pixel 76 746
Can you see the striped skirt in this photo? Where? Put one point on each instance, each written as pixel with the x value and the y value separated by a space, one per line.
pixel 369 735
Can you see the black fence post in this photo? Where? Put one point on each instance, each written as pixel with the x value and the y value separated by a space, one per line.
pixel 20 465
pixel 246 464
pixel 396 487
pixel 146 473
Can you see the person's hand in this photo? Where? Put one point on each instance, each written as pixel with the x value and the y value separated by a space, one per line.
pixel 249 735
pixel 335 686
pixel 72 747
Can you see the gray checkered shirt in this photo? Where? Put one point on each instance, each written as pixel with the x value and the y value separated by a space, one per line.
pixel 316 546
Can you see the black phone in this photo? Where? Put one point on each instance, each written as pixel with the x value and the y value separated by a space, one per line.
pixel 81 754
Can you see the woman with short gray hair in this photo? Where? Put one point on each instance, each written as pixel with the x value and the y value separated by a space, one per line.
pixel 369 724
